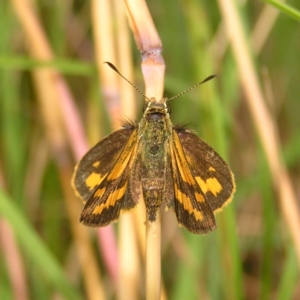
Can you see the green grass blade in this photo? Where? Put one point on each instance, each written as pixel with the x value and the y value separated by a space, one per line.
pixel 62 65
pixel 35 249
pixel 285 8
pixel 290 276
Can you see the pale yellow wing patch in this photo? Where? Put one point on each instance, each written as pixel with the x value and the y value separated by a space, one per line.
pixel 94 180
pixel 209 185
pixel 111 200
pixel 187 205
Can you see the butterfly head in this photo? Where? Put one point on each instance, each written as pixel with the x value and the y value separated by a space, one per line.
pixel 153 108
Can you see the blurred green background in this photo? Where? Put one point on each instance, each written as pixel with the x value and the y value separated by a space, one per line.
pixel 251 255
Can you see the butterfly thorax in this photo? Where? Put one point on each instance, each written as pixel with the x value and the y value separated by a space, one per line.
pixel 155 127
pixel 155 132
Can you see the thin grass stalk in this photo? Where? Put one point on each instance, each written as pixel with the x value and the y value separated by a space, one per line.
pixel 119 99
pixel 13 261
pixel 214 132
pixel 285 8
pixel 289 283
pixel 48 95
pixel 153 259
pixel 37 159
pixel 94 287
pixel 129 266
pixel 35 249
pixel 259 35
pixel 105 50
pixel 265 126
pixel 129 260
pixel 11 165
pixel 153 69
pixel 263 27
pixel 79 146
pixel 124 54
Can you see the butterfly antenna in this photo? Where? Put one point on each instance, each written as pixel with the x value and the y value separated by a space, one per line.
pixel 191 88
pixel 117 71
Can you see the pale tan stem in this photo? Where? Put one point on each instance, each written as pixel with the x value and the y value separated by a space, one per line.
pixel 153 259
pixel 153 68
pixel 266 126
pixel 48 94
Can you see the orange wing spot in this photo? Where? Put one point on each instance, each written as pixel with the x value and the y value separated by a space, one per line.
pixel 111 200
pixel 229 198
pixel 210 185
pixel 187 205
pixel 96 164
pixel 99 193
pixel 211 169
pixel 198 215
pixel 199 197
pixel 94 180
pixel 214 185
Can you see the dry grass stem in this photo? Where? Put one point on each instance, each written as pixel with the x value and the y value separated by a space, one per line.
pixel 88 262
pixel 128 99
pixel 121 104
pixel 129 258
pixel 259 35
pixel 48 93
pixel 13 260
pixel 153 260
pixel 142 25
pixel 263 27
pixel 105 50
pixel 266 127
pixel 153 69
pixel 129 267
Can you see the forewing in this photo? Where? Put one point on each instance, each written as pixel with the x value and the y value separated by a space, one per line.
pixel 110 196
pixel 191 207
pixel 211 173
pixel 99 161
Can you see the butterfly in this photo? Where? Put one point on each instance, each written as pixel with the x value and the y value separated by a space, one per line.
pixel 158 162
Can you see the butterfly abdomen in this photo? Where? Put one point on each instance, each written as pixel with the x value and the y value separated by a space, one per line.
pixel 153 162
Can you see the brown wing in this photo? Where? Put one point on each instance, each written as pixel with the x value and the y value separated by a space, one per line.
pixel 101 177
pixel 191 207
pixel 212 174
pixel 98 162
